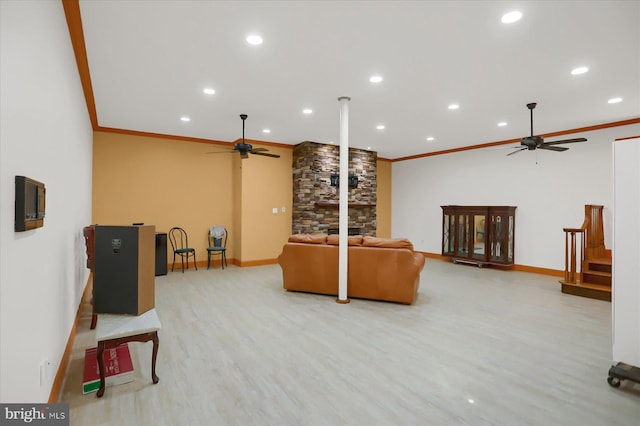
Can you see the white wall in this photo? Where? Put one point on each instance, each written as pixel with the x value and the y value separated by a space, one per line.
pixel 45 134
pixel 626 254
pixel 550 190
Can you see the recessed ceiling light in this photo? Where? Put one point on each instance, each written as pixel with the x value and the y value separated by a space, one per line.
pixel 185 118
pixel 430 138
pixel 380 127
pixel 254 39
pixel 614 100
pixel 307 111
pixel 454 106
pixel 502 123
pixel 375 79
pixel 266 130
pixel 511 17
pixel 579 70
pixel 331 142
pixel 208 91
pixel 369 148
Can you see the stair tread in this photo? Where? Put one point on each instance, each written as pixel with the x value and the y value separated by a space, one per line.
pixel 593 286
pixel 601 273
pixel 601 260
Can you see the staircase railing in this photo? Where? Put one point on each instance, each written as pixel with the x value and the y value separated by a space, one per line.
pixel 571 274
pixel 591 243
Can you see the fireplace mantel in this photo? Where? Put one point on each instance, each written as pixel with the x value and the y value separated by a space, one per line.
pixel 336 203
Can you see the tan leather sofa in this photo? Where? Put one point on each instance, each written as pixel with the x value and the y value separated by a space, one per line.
pixel 379 268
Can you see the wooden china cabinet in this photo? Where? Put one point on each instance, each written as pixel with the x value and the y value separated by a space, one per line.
pixel 483 235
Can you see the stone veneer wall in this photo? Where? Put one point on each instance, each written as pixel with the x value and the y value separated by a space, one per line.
pixel 313 164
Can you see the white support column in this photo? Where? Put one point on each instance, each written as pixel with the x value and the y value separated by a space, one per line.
pixel 344 200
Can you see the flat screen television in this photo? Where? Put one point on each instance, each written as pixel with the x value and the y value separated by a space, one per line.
pixel 30 204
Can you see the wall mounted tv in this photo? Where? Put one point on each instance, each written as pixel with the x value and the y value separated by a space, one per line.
pixel 30 204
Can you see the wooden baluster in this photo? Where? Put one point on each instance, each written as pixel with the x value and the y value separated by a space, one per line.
pixel 566 256
pixel 582 246
pixel 570 264
pixel 572 273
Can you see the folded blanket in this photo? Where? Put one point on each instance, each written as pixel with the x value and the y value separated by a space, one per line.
pixel 217 231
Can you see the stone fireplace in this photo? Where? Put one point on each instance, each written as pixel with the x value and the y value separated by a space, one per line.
pixel 315 201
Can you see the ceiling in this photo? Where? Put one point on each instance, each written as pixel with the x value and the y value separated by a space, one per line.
pixel 149 62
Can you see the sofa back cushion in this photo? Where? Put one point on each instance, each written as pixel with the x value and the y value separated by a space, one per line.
pixel 353 240
pixel 387 242
pixel 308 238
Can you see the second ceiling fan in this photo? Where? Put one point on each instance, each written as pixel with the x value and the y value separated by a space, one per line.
pixel 537 142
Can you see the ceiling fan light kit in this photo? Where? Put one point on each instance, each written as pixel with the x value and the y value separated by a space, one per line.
pixel 537 142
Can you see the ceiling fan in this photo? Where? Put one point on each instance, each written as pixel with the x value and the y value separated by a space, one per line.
pixel 537 142
pixel 246 148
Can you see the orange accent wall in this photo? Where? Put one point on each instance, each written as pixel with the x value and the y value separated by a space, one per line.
pixel 169 183
pixel 266 184
pixel 164 183
pixel 383 195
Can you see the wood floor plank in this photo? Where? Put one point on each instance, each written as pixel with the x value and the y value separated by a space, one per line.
pixel 480 346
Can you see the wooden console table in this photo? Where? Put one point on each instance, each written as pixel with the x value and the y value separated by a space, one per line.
pixel 113 330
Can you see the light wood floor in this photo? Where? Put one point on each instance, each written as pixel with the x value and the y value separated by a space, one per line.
pixel 480 346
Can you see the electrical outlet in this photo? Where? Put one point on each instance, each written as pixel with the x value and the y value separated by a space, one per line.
pixel 284 209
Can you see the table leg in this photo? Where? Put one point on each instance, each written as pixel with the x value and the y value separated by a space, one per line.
pixel 156 343
pixel 112 343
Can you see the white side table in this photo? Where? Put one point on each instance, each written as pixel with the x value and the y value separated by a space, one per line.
pixel 113 330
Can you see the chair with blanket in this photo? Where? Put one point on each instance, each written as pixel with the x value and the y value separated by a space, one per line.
pixel 217 244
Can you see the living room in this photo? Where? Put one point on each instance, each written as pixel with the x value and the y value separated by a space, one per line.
pixel 47 134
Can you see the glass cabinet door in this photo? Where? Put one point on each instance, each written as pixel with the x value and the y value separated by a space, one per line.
pixel 463 234
pixel 502 236
pixel 448 234
pixel 479 236
pixel 510 232
pixel 497 231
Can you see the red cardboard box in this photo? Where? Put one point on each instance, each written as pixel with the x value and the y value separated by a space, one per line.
pixel 117 365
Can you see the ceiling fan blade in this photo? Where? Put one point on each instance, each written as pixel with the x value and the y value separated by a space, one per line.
pixel 265 154
pixel 515 152
pixel 220 152
pixel 259 149
pixel 552 148
pixel 504 147
pixel 566 141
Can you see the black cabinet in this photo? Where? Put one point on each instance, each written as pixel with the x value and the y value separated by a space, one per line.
pixel 161 253
pixel 123 281
pixel 479 234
